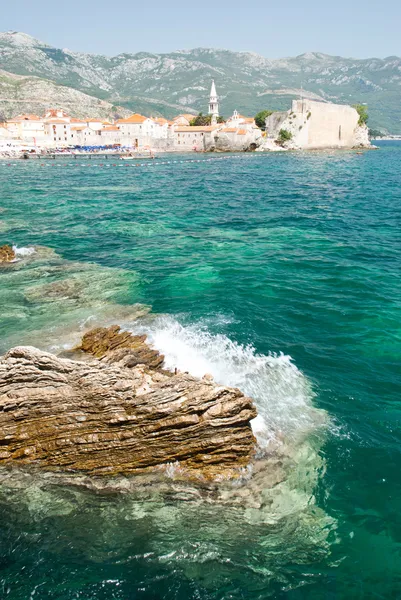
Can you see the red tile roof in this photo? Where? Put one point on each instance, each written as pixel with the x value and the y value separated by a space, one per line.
pixel 24 117
pixel 135 118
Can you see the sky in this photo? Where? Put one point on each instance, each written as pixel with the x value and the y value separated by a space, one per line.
pixel 354 28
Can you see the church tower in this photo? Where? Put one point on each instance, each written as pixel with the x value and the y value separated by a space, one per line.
pixel 213 104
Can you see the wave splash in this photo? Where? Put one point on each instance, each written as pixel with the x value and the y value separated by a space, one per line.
pixel 282 394
pixel 23 251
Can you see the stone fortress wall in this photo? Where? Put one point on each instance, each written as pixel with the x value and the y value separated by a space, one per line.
pixel 317 125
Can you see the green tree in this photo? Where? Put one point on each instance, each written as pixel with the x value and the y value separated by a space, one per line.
pixel 362 111
pixel 260 118
pixel 284 136
pixel 203 120
pixel 376 133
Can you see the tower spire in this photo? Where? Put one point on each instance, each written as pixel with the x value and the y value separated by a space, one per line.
pixel 213 103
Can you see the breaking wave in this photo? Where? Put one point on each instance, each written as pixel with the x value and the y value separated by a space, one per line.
pixel 282 394
pixel 23 251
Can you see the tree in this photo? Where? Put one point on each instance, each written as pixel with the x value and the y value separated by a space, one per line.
pixel 376 133
pixel 260 118
pixel 362 111
pixel 284 136
pixel 203 120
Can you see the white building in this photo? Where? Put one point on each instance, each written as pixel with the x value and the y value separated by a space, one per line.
pixel 110 135
pixel 162 127
pixel 57 128
pixel 77 139
pixel 137 130
pixel 236 120
pixel 95 124
pixel 58 132
pixel 4 133
pixel 193 137
pixel 27 127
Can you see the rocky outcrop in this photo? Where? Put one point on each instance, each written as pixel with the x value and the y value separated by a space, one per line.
pixel 362 137
pixel 121 414
pixel 116 346
pixel 7 254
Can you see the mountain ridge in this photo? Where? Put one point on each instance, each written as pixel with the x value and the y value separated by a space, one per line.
pixel 30 94
pixel 161 84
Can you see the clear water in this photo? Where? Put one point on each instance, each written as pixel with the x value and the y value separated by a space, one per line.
pixel 277 273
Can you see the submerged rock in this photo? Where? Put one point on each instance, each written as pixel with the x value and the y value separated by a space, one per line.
pixel 121 418
pixel 7 254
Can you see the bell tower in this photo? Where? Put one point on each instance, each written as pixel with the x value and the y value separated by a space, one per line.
pixel 213 104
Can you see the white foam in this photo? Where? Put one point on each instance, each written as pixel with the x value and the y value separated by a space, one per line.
pixel 282 394
pixel 22 252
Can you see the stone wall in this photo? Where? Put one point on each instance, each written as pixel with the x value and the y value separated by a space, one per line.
pixel 317 125
pixel 235 139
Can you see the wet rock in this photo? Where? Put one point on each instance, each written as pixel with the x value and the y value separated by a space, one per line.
pixel 107 419
pixel 7 254
pixel 116 346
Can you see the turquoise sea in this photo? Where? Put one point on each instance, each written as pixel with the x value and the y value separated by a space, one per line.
pixel 277 273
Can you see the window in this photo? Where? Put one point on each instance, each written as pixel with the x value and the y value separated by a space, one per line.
pixel 59 139
pixel 55 139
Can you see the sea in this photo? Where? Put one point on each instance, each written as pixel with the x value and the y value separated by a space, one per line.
pixel 277 273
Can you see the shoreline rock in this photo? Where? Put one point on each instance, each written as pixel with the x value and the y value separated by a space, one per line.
pixel 7 254
pixel 116 346
pixel 118 415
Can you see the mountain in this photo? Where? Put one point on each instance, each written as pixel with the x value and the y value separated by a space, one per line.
pixel 35 95
pixel 165 84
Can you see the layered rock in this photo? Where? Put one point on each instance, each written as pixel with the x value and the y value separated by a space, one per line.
pixel 117 415
pixel 114 345
pixel 7 254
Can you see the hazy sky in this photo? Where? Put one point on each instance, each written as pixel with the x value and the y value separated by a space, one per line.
pixel 359 28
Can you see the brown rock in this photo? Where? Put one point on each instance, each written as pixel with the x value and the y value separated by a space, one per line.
pixel 105 418
pixel 7 254
pixel 115 346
